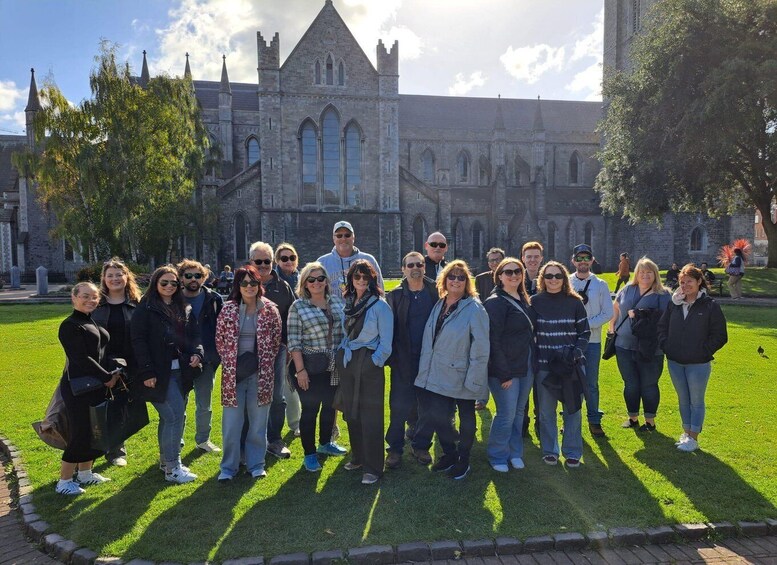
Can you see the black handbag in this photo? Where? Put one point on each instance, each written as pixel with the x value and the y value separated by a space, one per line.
pixel 316 363
pixel 247 364
pixel 80 386
pixel 115 420
pixel 608 352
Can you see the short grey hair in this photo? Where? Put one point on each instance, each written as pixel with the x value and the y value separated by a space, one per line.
pixel 261 246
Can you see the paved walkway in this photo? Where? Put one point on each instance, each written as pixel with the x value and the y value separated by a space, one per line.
pixel 14 548
pixel 27 295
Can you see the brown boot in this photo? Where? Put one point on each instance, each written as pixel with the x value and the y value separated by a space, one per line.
pixel 596 430
pixel 393 460
pixel 422 455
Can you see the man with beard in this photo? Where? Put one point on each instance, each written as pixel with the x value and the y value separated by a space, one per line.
pixel 598 306
pixel 435 247
pixel 411 302
pixel 206 305
pixel 279 292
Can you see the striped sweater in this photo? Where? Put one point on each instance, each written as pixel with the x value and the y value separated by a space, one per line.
pixel 561 321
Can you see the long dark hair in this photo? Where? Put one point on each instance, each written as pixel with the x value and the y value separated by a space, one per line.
pixel 245 271
pixel 176 310
pixel 363 267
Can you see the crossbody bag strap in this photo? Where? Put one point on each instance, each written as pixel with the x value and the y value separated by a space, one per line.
pixel 517 304
pixel 635 305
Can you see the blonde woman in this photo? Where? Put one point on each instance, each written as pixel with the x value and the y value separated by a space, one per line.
pixel 640 360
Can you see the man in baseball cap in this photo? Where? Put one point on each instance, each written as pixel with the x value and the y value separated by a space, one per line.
pixel 343 254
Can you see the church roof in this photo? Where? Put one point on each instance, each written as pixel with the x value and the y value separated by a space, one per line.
pixel 417 112
pixel 244 96
pixel 8 173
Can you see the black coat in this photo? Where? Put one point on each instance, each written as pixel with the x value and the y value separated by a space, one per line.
pixel 281 294
pixel 484 284
pixel 100 316
pixel 399 301
pixel 511 335
pixel 207 323
pixel 566 379
pixel 696 338
pixel 431 267
pixel 156 341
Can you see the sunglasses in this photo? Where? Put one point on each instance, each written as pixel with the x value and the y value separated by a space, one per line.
pixel 190 276
pixel 495 260
pixel 174 284
pixel 512 272
pixel 414 265
pixel 460 278
pixel 361 276
pixel 245 283
pixel 557 276
pixel 439 244
pixel 287 258
pixel 319 278
pixel 262 261
pixel 583 258
pixel 343 235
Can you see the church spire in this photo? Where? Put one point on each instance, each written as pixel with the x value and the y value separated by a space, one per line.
pixel 224 76
pixel 144 75
pixel 538 125
pixel 33 102
pixel 499 121
pixel 187 72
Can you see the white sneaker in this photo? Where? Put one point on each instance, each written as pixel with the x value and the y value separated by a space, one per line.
pixel 499 467
pixel 689 445
pixel 260 474
pixel 90 478
pixel 70 488
pixel 209 447
pixel 517 463
pixel 119 462
pixel 180 475
pixel 682 439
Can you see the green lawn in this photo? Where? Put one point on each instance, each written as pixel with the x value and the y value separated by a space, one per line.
pixel 628 480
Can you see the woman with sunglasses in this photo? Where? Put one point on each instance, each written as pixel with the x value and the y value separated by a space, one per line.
pixel 119 295
pixel 248 334
pixel 369 330
pixel 640 360
pixel 287 267
pixel 168 350
pixel 510 374
pixel 453 371
pixel 315 329
pixel 562 336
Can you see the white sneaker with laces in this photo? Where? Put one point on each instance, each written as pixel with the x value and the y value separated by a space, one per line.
pixel 208 447
pixel 180 475
pixel 682 439
pixel 119 462
pixel 90 478
pixel 69 488
pixel 689 445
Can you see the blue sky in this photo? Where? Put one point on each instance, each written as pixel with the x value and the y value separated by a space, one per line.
pixel 516 48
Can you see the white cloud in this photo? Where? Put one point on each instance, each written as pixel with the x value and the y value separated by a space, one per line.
pixel 411 46
pixel 531 62
pixel 13 122
pixel 139 25
pixel 592 45
pixel 462 86
pixel 588 81
pixel 10 95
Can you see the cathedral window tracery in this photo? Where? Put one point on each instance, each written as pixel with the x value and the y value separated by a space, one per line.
pixel 462 167
pixel 253 151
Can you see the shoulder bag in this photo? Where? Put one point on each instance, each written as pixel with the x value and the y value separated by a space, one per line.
pixel 80 386
pixel 608 351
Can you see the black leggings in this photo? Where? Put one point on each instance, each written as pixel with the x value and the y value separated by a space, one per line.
pixel 319 397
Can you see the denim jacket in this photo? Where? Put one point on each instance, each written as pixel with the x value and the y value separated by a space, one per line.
pixel 377 334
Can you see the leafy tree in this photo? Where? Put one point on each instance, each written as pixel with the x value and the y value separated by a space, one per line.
pixel 120 170
pixel 692 127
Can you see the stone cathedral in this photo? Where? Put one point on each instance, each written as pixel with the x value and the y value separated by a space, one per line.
pixel 324 135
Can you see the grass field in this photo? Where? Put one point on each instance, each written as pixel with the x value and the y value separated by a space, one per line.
pixel 629 479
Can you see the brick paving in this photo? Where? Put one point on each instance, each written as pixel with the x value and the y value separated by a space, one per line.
pixel 15 548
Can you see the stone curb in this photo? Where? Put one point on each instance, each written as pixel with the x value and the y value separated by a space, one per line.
pixel 69 552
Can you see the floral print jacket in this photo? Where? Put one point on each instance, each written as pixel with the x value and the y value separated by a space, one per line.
pixel 268 341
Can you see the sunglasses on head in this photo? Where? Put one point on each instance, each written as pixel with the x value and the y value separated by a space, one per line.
pixel 249 282
pixel 460 278
pixel 361 276
pixel 557 276
pixel 583 258
pixel 287 258
pixel 190 276
pixel 512 272
pixel 164 283
pixel 319 278
pixel 414 265
pixel 262 261
pixel 343 235
pixel 439 244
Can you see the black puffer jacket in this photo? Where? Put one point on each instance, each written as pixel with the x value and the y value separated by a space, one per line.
pixel 511 335
pixel 696 338
pixel 280 293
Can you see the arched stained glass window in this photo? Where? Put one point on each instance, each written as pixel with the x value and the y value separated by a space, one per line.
pixel 309 161
pixel 353 165
pixel 330 141
pixel 253 151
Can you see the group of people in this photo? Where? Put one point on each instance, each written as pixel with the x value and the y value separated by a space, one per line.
pixel 302 346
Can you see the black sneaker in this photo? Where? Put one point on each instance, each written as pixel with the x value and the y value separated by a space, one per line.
pixel 445 463
pixel 460 470
pixel 647 427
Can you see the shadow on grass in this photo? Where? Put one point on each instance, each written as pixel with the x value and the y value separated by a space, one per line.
pixel 713 487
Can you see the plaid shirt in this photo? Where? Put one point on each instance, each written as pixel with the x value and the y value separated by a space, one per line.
pixel 308 329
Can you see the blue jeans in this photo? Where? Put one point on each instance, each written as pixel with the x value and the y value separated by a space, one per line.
pixel 232 419
pixel 593 354
pixel 505 441
pixel 172 416
pixel 640 381
pixel 572 442
pixel 690 382
pixel 278 405
pixel 402 400
pixel 203 402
